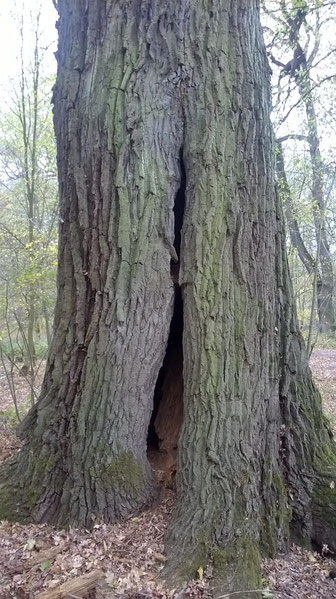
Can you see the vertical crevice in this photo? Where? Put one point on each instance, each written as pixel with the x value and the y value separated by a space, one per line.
pixel 167 412
pixel 169 383
pixel 179 206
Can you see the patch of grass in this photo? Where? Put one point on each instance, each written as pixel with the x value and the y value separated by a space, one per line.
pixel 16 351
pixel 325 341
pixel 9 415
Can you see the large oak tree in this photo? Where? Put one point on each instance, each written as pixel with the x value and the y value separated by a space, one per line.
pixel 162 120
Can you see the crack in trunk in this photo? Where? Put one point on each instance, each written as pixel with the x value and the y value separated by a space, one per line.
pixel 167 415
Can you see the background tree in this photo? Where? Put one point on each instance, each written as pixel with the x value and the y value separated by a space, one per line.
pixel 294 31
pixel 28 210
pixel 172 236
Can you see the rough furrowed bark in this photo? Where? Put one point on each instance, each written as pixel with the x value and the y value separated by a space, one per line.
pixel 249 474
pixel 137 82
pixel 119 133
pixel 307 447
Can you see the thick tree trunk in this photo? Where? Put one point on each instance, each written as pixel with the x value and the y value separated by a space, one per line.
pixel 137 82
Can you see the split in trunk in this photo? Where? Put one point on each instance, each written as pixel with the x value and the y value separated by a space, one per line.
pixel 255 459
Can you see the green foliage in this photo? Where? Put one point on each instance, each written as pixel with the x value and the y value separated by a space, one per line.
pixel 28 214
pixel 16 351
pixel 9 415
pixel 325 341
pixel 28 245
pixel 300 45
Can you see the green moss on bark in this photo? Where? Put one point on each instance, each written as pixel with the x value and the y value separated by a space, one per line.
pixel 238 565
pixel 324 495
pixel 16 498
pixel 122 471
pixel 22 486
pixel 9 496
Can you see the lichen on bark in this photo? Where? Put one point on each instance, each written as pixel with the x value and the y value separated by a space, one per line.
pixel 136 83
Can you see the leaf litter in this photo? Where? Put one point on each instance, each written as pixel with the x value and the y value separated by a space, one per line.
pixel 38 559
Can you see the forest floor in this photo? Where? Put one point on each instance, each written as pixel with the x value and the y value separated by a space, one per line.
pixel 125 560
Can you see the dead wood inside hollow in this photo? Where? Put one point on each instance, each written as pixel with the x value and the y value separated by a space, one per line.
pixel 167 413
pixel 169 386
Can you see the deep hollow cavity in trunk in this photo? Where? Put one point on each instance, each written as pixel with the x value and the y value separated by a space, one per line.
pixel 136 82
pixel 166 419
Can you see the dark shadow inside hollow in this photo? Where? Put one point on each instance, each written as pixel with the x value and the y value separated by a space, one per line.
pixel 167 412
pixel 167 416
